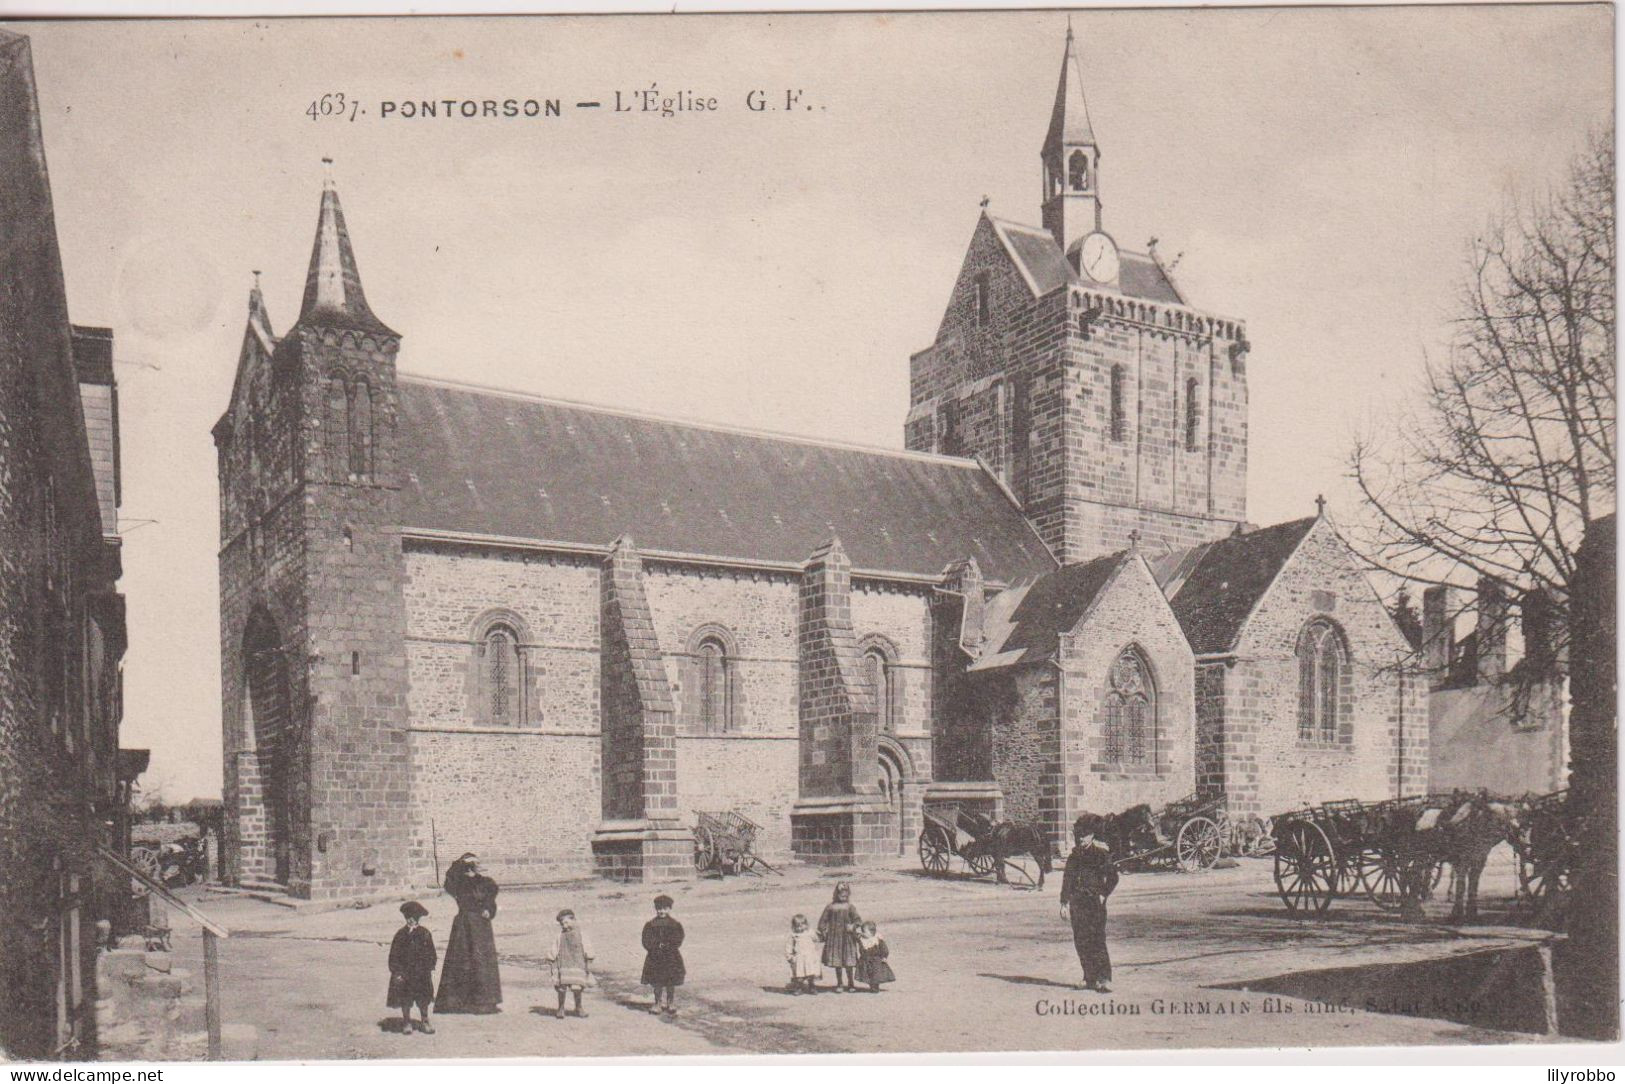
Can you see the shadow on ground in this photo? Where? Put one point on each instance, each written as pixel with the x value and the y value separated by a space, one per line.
pixel 1502 989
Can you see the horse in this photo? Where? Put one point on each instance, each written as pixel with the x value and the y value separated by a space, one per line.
pixel 1462 831
pixel 1008 839
pixel 1131 832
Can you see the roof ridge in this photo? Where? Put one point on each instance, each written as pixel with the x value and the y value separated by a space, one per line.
pixel 693 423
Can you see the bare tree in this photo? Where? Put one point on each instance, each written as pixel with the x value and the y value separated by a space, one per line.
pixel 1510 453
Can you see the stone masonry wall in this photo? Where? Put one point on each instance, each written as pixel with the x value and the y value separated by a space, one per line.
pixel 1129 612
pixel 1269 769
pixel 1029 390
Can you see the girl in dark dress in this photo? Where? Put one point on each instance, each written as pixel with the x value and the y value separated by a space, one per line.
pixel 872 955
pixel 837 929
pixel 468 980
pixel 411 968
pixel 663 965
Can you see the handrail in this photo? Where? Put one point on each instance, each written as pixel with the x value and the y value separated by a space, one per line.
pixel 123 865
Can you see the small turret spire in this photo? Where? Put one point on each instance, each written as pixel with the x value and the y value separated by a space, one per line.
pixel 259 319
pixel 333 294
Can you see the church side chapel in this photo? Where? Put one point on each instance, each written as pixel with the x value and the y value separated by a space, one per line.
pixel 463 619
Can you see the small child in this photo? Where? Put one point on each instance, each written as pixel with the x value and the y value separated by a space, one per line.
pixel 872 954
pixel 663 964
pixel 411 968
pixel 802 953
pixel 572 961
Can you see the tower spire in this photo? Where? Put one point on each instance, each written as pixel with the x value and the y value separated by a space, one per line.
pixel 1071 157
pixel 333 294
pixel 1069 120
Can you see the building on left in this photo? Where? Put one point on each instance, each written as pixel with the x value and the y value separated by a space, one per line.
pixel 64 786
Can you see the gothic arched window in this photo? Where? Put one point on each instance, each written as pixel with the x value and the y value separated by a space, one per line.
pixel 1322 664
pixel 1077 171
pixel 1119 415
pixel 360 427
pixel 1129 726
pixel 1192 418
pixel 501 677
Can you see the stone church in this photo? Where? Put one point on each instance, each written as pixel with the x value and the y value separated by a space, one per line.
pixel 461 619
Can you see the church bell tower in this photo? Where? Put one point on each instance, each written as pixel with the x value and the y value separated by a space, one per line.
pixel 1071 159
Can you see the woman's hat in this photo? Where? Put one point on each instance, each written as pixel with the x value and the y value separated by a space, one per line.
pixel 663 902
pixel 414 909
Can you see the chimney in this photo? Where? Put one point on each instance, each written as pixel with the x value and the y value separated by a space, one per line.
pixel 1438 632
pixel 1539 643
pixel 1492 630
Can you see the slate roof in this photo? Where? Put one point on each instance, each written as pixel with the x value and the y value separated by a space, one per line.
pixel 1214 587
pixel 1038 256
pixel 1023 623
pixel 501 464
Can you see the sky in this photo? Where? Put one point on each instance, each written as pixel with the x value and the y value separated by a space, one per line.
pixel 1318 172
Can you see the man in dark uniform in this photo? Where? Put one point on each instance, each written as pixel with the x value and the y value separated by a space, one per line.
pixel 1090 877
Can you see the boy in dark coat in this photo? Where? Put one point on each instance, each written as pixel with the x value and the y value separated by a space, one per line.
pixel 411 968
pixel 663 966
pixel 1090 877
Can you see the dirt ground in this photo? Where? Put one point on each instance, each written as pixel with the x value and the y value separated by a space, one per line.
pixel 1203 960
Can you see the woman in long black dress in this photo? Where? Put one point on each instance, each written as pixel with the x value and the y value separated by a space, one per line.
pixel 469 982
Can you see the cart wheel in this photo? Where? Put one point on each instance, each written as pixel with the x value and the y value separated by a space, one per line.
pixel 1198 844
pixel 1539 881
pixel 981 863
pixel 1382 874
pixel 933 852
pixel 704 850
pixel 146 860
pixel 1306 868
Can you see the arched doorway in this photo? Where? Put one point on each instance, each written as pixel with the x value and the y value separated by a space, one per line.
pixel 891 779
pixel 269 726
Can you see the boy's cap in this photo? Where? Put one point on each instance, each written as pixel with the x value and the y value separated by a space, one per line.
pixel 664 902
pixel 560 916
pixel 414 909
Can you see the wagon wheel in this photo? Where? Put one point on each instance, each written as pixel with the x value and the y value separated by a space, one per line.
pixel 147 861
pixel 1383 873
pixel 981 863
pixel 1199 844
pixel 705 850
pixel 1306 868
pixel 934 852
pixel 1538 881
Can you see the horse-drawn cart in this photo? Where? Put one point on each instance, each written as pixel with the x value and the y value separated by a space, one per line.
pixel 951 831
pixel 1190 835
pixel 985 846
pixel 1547 848
pixel 725 842
pixel 1389 850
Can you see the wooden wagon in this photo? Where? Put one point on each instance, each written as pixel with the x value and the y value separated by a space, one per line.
pixel 1190 835
pixel 950 831
pixel 725 842
pixel 1341 848
pixel 1547 848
